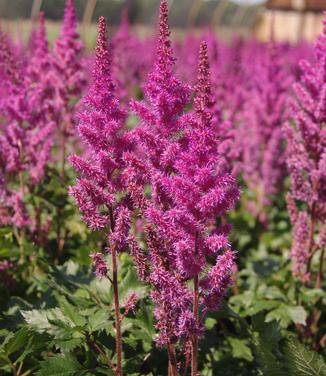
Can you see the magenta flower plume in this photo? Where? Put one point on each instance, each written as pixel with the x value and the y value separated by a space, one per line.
pixel 260 134
pixel 9 69
pixel 41 41
pixel 178 156
pixel 306 160
pixel 128 65
pixel 68 53
pixel 101 268
pixel 101 128
pixel 100 192
pixel 27 137
pixel 200 191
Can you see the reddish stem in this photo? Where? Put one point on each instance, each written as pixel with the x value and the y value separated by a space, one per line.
pixel 118 340
pixel 194 350
pixel 173 368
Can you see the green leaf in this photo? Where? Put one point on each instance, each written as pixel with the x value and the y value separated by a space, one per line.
pixel 210 323
pixel 39 319
pixel 303 362
pixel 61 365
pixel 269 333
pixel 68 345
pixel 71 312
pixel 298 314
pixel 98 321
pixel 51 321
pixel 262 305
pixel 274 292
pixel 268 364
pixel 286 314
pixel 265 339
pixel 240 349
pixel 5 231
pixel 15 341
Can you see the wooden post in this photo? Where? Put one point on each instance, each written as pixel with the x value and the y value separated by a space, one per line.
pixel 36 7
pixel 219 12
pixel 193 13
pixel 88 12
pixel 300 7
pixel 170 3
pixel 239 15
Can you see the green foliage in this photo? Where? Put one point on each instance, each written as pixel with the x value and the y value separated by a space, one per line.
pixel 301 361
pixel 61 365
pixel 58 319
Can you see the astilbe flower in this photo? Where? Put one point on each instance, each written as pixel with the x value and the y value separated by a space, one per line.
pixel 128 64
pixel 70 79
pixel 306 161
pixel 260 134
pixel 101 128
pixel 8 67
pixel 160 120
pixel 27 129
pixel 234 80
pixel 68 50
pixel 41 76
pixel 100 266
pixel 179 158
pixel 200 191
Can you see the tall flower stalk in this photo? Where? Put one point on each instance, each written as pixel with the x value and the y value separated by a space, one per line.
pixel 71 78
pixel 26 137
pixel 306 160
pixel 101 128
pixel 179 158
pixel 260 133
pixel 70 83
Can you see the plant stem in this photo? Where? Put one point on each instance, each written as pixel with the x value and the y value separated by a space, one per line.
pixel 21 231
pixel 63 132
pixel 194 350
pixel 320 270
pixel 173 369
pixel 311 236
pixel 62 160
pixel 101 351
pixel 118 340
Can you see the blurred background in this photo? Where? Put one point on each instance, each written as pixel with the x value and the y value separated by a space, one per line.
pixel 293 20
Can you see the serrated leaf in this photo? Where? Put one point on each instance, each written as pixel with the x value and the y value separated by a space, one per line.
pixel 16 341
pixel 262 305
pixel 71 312
pixel 274 292
pixel 51 321
pixel 210 323
pixel 5 231
pixel 268 364
pixel 269 333
pixel 39 319
pixel 61 365
pixel 99 320
pixel 303 362
pixel 298 314
pixel 68 345
pixel 240 349
pixel 286 314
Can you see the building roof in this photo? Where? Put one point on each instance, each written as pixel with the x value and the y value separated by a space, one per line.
pixel 299 5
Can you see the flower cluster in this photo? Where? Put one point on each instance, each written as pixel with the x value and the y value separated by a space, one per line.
pixel 260 133
pixel 32 111
pixel 306 160
pixel 178 156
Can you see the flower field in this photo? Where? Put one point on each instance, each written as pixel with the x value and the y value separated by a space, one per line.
pixel 162 204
